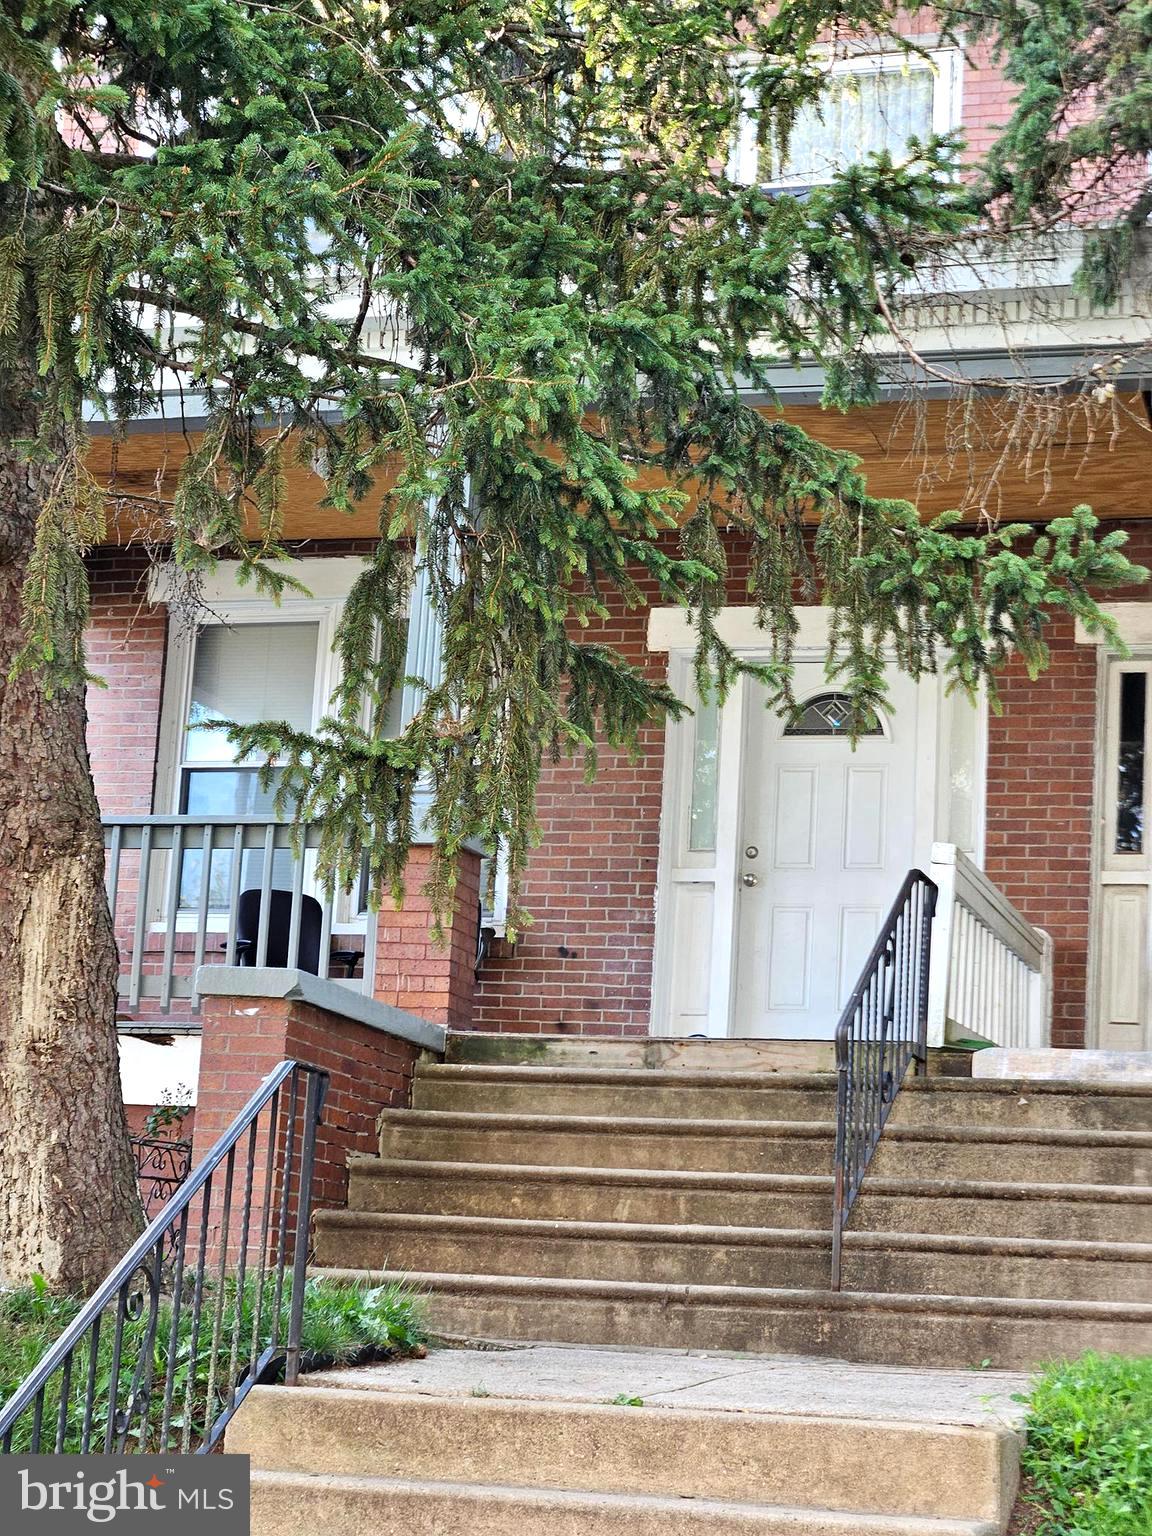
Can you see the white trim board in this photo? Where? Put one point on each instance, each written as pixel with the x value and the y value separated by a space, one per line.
pixel 674 629
pixel 1133 621
pixel 328 578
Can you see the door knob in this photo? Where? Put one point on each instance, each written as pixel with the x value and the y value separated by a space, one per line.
pixel 750 879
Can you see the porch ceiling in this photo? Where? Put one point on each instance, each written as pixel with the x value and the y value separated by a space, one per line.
pixel 941 453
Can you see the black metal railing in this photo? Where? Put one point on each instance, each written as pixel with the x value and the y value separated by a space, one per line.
pixel 882 1032
pixel 162 1165
pixel 207 1302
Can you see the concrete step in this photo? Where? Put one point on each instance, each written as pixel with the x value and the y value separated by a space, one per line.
pixel 1078 1212
pixel 761 1146
pixel 1057 1104
pixel 1009 1334
pixel 1021 1153
pixel 815 1461
pixel 747 1256
pixel 645 1052
pixel 736 1146
pixel 347 1506
pixel 625 1093
pixel 722 1095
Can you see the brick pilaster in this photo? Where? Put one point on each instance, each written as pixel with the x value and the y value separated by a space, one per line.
pixel 433 979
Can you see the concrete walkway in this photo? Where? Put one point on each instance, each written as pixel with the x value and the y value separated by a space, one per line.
pixel 679 1379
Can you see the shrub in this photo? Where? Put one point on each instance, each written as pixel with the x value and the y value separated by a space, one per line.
pixel 1088 1457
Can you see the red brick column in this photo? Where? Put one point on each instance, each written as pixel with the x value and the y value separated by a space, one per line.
pixel 247 1033
pixel 1038 845
pixel 433 979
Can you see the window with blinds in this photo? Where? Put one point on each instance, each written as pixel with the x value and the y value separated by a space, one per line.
pixel 241 673
pixel 246 673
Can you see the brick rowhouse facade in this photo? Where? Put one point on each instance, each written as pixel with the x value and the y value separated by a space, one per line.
pixel 584 964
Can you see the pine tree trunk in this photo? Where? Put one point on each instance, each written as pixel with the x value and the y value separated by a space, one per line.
pixel 68 1200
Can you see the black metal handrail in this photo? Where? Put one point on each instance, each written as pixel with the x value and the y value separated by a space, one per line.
pixel 207 1302
pixel 882 1031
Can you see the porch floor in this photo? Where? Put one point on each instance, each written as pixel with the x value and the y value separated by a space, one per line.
pixel 668 1378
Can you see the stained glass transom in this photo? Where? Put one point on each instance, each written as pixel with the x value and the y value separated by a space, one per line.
pixel 830 714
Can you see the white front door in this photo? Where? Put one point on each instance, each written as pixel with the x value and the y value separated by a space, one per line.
pixel 834 829
pixel 828 831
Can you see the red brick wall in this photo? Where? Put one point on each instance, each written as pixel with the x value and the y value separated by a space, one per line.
pixel 137 1115
pixel 1038 843
pixel 126 644
pixel 432 978
pixel 985 101
pixel 1041 768
pixel 585 963
pixel 245 1037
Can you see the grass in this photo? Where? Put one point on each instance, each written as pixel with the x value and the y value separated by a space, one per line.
pixel 342 1324
pixel 1088 1459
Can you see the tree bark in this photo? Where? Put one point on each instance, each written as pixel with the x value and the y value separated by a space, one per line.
pixel 69 1205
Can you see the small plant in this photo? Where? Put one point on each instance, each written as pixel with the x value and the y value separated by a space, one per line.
pixel 170 1112
pixel 341 1325
pixel 1088 1457
pixel 624 1401
pixel 480 1391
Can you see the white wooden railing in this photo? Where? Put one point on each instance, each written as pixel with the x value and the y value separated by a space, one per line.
pixel 991 971
pixel 174 885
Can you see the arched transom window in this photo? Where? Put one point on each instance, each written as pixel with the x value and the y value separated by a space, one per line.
pixel 830 714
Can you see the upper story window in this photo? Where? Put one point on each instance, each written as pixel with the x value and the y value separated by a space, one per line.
pixel 871 102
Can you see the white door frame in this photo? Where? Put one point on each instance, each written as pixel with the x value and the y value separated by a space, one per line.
pixel 694 960
pixel 1134 625
pixel 1112 876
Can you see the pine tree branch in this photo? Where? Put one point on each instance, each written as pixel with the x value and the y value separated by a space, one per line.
pixel 170 304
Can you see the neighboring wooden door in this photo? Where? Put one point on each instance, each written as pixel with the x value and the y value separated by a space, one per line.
pixel 1123 947
pixel 828 832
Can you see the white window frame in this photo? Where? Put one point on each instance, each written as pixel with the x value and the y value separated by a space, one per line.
pixel 227 603
pixel 946 64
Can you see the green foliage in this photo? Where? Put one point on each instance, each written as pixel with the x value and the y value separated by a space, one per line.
pixel 170 1112
pixel 482 269
pixel 1089 1447
pixel 1077 143
pixel 341 1323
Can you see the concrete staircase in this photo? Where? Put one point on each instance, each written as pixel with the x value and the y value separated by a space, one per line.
pixel 672 1201
pixel 582 1194
pixel 426 1456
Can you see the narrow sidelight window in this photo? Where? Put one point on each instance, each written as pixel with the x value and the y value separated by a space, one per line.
pixel 1130 771
pixel 705 768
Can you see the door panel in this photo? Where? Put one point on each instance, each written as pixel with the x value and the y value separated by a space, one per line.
pixel 828 832
pixel 794 846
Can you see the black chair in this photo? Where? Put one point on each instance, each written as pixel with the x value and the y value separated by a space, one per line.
pixel 279 926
